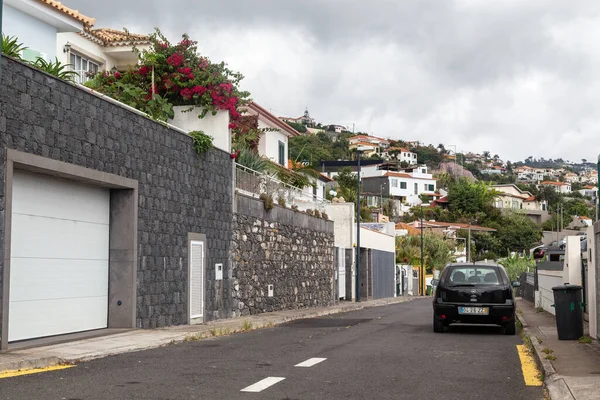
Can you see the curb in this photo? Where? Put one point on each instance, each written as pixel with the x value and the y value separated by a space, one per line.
pixel 553 382
pixel 32 363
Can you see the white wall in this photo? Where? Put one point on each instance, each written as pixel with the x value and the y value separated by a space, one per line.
pixel 592 289
pixel 342 215
pixel 376 240
pixel 84 47
pixel 268 145
pixel 216 126
pixel 572 267
pixel 33 33
pixel 546 281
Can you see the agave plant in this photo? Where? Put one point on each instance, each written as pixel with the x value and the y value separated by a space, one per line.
pixel 11 47
pixel 251 159
pixel 56 68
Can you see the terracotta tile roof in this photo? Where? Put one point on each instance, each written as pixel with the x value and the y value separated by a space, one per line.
pixel 368 137
pixel 532 198
pixel 585 218
pixel 113 37
pixel 325 177
pixel 589 187
pixel 397 175
pixel 443 200
pixel 57 5
pixel 411 229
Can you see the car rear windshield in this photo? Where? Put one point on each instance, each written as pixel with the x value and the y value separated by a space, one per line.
pixel 473 275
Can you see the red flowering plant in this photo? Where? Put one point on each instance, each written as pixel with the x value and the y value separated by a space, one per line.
pixel 175 75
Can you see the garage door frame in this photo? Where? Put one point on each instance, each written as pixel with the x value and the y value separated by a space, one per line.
pixel 122 237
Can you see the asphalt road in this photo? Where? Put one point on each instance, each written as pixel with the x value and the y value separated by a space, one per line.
pixel 378 353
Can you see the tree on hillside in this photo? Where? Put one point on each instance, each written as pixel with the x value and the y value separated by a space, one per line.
pixel 299 127
pixel 517 233
pixel 486 156
pixel 548 193
pixel 437 251
pixel 468 200
pixel 428 155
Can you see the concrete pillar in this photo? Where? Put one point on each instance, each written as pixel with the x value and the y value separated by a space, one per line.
pixel 572 266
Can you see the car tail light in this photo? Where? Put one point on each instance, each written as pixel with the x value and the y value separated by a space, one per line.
pixel 505 318
pixel 443 316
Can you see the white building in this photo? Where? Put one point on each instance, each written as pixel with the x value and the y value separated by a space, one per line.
pixel 36 24
pixel 93 50
pixel 560 187
pixel 401 154
pixel 273 144
pixel 398 185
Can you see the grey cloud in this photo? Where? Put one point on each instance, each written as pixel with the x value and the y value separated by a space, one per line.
pixel 437 71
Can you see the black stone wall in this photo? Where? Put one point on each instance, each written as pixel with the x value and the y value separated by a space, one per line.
pixel 179 191
pixel 288 249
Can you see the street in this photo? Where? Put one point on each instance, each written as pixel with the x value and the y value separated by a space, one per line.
pixel 386 352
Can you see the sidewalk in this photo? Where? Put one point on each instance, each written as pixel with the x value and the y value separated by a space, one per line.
pixel 572 369
pixel 143 339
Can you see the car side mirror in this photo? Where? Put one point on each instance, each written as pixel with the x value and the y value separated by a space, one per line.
pixel 516 284
pixel 434 282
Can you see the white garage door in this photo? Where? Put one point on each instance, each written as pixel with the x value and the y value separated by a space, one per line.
pixel 59 257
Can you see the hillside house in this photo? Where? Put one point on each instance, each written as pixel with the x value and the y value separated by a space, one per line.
pixel 511 198
pixel 400 154
pixel 560 187
pixel 36 24
pixel 94 50
pixel 273 144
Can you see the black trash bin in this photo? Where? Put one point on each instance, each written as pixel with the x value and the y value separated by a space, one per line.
pixel 569 311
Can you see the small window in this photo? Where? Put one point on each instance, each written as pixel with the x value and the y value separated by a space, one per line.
pixel 402 185
pixel 394 182
pixel 84 67
pixel 423 171
pixel 431 188
pixel 416 188
pixel 281 153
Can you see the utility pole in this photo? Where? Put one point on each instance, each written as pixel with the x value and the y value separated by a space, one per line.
pixel 469 244
pixel 358 230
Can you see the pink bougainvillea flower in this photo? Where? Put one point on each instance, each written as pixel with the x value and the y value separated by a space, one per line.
pixel 144 70
pixel 175 60
pixel 118 75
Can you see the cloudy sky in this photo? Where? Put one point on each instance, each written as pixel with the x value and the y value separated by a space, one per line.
pixel 518 78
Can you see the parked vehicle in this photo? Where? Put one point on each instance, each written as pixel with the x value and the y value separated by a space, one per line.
pixel 474 293
pixel 539 252
pixel 582 237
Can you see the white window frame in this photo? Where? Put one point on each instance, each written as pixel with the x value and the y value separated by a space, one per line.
pixel 82 78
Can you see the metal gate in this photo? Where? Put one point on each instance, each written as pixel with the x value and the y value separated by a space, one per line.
pixel 382 274
pixel 340 265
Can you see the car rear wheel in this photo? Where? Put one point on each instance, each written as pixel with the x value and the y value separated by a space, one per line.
pixel 510 329
pixel 438 325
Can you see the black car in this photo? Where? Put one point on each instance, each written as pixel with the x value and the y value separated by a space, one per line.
pixel 474 293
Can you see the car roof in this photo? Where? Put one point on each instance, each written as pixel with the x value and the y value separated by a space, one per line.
pixel 475 264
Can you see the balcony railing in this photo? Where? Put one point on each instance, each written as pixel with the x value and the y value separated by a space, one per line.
pixel 254 183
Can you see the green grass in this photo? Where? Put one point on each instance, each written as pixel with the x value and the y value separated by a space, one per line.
pixel 539 309
pixel 551 357
pixel 585 339
pixel 539 340
pixel 547 351
pixel 246 326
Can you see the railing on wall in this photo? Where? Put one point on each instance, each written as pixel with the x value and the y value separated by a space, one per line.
pixel 527 289
pixel 254 183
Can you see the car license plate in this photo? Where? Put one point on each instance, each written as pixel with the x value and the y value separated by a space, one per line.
pixel 474 310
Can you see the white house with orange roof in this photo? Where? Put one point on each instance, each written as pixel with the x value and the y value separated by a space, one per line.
pixel 36 24
pixel 92 50
pixel 273 143
pixel 401 154
pixel 561 187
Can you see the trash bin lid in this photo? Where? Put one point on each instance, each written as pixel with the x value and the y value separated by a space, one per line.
pixel 566 286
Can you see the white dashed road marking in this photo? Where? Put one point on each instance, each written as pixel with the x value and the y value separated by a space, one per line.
pixel 262 385
pixel 310 362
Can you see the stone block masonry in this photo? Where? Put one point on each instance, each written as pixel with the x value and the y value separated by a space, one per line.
pixel 179 191
pixel 288 249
